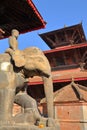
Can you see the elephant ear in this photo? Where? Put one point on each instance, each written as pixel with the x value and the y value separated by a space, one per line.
pixel 18 58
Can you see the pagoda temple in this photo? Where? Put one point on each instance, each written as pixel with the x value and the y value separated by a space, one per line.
pixel 67 56
pixel 67 47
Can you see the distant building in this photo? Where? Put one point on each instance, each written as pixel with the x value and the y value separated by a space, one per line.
pixel 70 107
pixel 68 46
pixel 67 57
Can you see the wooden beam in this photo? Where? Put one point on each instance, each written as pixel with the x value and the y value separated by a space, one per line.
pixel 51 41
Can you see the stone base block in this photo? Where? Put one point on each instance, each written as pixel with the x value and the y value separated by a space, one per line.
pixel 26 127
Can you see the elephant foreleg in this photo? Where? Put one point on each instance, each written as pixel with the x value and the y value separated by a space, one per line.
pixel 48 88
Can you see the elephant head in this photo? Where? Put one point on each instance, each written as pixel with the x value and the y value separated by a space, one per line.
pixel 36 64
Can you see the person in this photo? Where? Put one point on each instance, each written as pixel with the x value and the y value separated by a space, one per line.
pixel 13 43
pixel 16 54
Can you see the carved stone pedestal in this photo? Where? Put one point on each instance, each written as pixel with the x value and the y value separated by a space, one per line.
pixel 26 127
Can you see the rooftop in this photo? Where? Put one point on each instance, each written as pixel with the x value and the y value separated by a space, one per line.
pixel 21 15
pixel 64 36
pixel 62 76
pixel 70 93
pixel 68 47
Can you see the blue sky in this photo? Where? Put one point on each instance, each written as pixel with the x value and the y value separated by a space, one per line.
pixel 56 13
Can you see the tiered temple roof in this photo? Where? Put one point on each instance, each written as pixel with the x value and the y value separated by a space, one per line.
pixel 65 36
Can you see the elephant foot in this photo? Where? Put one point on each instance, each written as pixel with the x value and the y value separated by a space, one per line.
pixel 24 118
pixel 41 122
pixel 47 122
pixel 32 117
pixel 51 122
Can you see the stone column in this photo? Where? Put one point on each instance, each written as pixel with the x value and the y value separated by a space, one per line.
pixel 7 92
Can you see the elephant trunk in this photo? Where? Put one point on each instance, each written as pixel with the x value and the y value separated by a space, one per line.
pixel 48 88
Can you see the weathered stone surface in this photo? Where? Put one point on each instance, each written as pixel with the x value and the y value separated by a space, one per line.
pixel 18 58
pixel 26 127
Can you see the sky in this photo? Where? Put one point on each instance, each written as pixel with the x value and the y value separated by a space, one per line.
pixel 56 13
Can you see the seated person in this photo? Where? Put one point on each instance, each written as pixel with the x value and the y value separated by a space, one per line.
pixel 16 54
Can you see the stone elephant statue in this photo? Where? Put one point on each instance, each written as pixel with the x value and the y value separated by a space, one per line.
pixel 12 76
